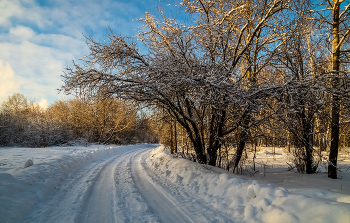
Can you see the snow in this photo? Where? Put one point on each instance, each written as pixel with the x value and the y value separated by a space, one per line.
pixel 253 200
pixel 28 163
pixel 21 188
pixel 144 183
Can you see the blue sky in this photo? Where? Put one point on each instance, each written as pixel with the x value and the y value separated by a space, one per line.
pixel 38 38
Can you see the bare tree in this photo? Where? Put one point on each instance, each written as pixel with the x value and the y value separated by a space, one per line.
pixel 191 71
pixel 241 37
pixel 335 14
pixel 305 93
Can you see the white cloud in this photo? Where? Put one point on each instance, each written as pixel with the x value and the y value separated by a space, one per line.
pixel 39 39
pixel 8 84
pixel 8 9
pixel 37 67
pixel 42 103
pixel 27 11
pixel 22 32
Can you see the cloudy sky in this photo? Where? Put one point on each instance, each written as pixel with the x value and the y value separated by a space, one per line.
pixel 38 38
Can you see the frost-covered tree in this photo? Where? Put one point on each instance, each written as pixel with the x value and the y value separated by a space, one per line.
pixel 105 121
pixel 335 14
pixel 193 70
pixel 304 94
pixel 23 123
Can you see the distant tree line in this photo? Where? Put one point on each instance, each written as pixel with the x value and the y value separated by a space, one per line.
pixel 233 74
pixel 112 121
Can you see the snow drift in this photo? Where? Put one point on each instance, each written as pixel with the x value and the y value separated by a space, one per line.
pixel 244 200
pixel 21 189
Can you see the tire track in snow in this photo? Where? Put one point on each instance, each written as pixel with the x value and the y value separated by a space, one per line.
pixel 114 197
pixel 65 204
pixel 121 188
pixel 71 198
pixel 168 208
pixel 195 207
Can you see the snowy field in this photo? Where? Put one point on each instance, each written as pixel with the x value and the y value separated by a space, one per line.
pixel 144 183
pixel 272 168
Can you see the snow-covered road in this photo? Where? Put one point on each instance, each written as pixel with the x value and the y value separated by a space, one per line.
pixel 101 191
pixel 144 183
pixel 120 188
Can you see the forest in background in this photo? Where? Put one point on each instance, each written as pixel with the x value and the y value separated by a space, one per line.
pixel 72 121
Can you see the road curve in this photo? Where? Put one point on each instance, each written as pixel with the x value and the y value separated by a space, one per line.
pixel 121 188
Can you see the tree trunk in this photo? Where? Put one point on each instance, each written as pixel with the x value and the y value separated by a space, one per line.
pixel 171 139
pixel 215 137
pixel 198 148
pixel 333 154
pixel 309 160
pixel 242 141
pixel 175 135
pixel 240 148
pixel 307 140
pixel 212 155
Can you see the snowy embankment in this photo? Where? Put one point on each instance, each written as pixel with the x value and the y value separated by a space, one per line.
pixel 21 188
pixel 247 200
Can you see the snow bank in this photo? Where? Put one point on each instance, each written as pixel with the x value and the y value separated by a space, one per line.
pixel 245 200
pixel 28 163
pixel 21 188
